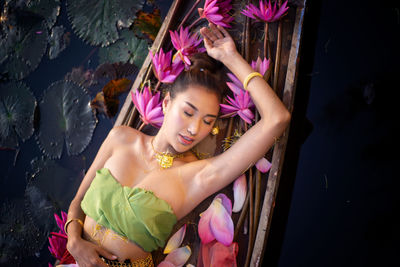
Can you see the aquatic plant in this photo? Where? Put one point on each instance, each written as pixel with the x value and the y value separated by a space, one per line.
pixel 216 12
pixel 149 107
pixel 186 44
pixel 175 240
pixel 17 106
pixel 265 12
pixel 165 70
pixel 239 192
pixel 128 48
pixel 97 21
pixel 240 105
pixel 65 115
pixel 58 41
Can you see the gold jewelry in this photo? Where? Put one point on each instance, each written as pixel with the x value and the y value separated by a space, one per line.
pixel 164 159
pixel 69 221
pixel 215 130
pixel 143 262
pixel 249 77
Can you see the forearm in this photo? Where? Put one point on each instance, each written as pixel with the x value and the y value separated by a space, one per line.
pixel 267 102
pixel 74 229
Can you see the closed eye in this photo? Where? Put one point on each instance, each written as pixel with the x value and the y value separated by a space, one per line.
pixel 188 114
pixel 208 122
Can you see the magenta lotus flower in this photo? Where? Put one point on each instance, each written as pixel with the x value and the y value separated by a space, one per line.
pixel 165 70
pixel 263 165
pixel 240 105
pixel 185 44
pixel 216 222
pixel 265 12
pixel 239 192
pixel 149 107
pixel 58 241
pixel 176 240
pixel 216 12
pixel 260 66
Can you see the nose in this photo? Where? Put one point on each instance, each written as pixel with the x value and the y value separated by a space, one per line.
pixel 194 127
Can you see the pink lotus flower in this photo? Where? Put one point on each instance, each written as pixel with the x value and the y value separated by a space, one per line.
pixel 149 107
pixel 240 105
pixel 216 12
pixel 185 44
pixel 216 222
pixel 266 12
pixel 58 241
pixel 164 70
pixel 260 66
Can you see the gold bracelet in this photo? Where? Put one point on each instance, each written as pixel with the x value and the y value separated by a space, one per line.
pixel 249 77
pixel 69 221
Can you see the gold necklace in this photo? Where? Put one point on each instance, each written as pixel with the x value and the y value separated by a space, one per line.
pixel 164 159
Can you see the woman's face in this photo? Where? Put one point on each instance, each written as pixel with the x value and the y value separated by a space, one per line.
pixel 189 117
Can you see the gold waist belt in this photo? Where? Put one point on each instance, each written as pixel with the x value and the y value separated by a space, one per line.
pixel 146 262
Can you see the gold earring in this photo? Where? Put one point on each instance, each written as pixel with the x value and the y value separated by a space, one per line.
pixel 215 130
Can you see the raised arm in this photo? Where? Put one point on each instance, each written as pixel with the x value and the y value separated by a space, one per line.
pixel 224 168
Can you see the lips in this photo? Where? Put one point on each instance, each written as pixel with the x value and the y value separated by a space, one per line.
pixel 185 139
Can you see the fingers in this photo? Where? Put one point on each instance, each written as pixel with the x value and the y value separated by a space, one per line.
pixel 208 34
pixel 224 31
pixel 106 254
pixel 216 32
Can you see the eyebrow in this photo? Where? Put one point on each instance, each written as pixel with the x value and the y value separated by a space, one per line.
pixel 193 107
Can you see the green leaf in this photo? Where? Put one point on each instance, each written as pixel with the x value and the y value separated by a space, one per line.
pixel 24 46
pixel 96 21
pixel 58 41
pixel 17 106
pixel 65 114
pixel 127 49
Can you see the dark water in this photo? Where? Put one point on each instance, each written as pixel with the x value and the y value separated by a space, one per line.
pixel 338 199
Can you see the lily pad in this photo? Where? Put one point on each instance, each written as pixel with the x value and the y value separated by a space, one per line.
pixel 65 114
pixel 58 41
pixel 17 106
pixel 115 71
pixel 47 9
pixel 127 49
pixel 97 21
pixel 50 190
pixel 24 46
pixel 147 25
pixel 18 235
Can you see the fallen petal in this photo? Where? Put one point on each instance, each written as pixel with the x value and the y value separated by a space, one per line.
pixel 263 165
pixel 176 240
pixel 226 202
pixel 221 223
pixel 165 264
pixel 204 226
pixel 239 193
pixel 179 256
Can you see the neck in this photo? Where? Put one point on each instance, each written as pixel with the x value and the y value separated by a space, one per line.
pixel 161 145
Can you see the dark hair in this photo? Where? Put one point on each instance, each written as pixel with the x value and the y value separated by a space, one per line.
pixel 204 71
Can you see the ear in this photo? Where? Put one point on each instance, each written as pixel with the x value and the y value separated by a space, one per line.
pixel 166 101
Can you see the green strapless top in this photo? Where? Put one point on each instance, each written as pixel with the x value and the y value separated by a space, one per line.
pixel 135 213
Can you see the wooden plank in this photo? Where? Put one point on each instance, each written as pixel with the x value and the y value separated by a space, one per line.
pixel 280 147
pixel 126 111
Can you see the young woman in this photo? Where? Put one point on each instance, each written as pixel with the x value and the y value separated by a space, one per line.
pixel 126 175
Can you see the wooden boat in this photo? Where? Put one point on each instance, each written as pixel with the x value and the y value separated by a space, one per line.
pixel 259 205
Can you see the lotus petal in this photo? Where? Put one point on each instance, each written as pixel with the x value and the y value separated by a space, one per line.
pixel 97 21
pixel 65 115
pixel 176 240
pixel 239 193
pixel 17 106
pixel 179 256
pixel 221 224
pixel 165 264
pixel 263 165
pixel 226 202
pixel 205 233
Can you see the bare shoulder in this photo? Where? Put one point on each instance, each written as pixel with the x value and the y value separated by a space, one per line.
pixel 124 134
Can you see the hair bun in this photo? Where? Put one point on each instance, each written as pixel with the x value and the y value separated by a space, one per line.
pixel 202 62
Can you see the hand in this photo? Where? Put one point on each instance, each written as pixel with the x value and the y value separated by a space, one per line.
pixel 218 42
pixel 87 254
